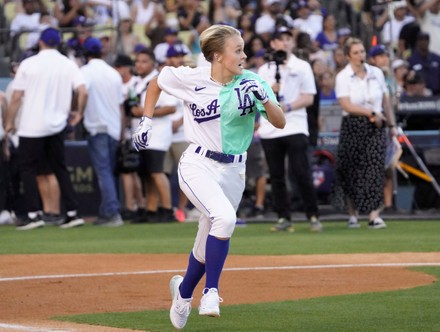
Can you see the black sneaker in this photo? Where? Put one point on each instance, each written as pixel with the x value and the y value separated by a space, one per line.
pixel 70 222
pixel 52 218
pixel 30 223
pixel 142 216
pixel 257 212
pixel 165 215
pixel 129 215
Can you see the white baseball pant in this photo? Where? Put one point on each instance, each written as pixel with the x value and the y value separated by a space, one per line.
pixel 215 189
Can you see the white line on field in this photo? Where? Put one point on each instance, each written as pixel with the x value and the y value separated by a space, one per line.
pixel 260 268
pixel 16 327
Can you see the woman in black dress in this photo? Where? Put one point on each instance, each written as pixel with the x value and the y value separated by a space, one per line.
pixel 360 169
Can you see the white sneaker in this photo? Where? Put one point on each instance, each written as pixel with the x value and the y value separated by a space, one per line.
pixel 210 303
pixel 353 222
pixel 180 308
pixel 6 218
pixel 377 223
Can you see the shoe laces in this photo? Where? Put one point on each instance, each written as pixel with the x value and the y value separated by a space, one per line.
pixel 211 295
pixel 183 307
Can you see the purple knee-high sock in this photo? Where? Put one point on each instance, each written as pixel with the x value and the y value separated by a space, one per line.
pixel 216 253
pixel 194 273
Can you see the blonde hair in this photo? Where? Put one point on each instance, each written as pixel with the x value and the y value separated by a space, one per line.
pixel 213 39
pixel 349 43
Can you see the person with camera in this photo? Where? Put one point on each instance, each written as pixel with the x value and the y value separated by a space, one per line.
pixel 293 82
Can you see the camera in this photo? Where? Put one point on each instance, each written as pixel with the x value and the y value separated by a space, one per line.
pixel 278 57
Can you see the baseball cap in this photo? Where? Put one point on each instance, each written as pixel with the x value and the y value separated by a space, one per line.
pixel 176 50
pixel 170 31
pixel 278 33
pixel 82 20
pixel 377 50
pixel 271 2
pixel 302 4
pixel 139 47
pixel 123 60
pixel 398 63
pixel 92 45
pixel 344 32
pixel 51 36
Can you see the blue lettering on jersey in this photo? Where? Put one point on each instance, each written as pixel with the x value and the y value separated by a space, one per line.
pixel 202 115
pixel 246 104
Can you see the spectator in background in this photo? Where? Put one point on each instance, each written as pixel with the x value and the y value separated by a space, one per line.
pixel 327 39
pixel 378 56
pixel 429 12
pixel 224 12
pixel 391 29
pixel 134 206
pixel 307 21
pixel 143 11
pixel 158 191
pixel 415 85
pixel 171 38
pixel 127 38
pixel 400 69
pixel 175 58
pixel 246 25
pixel 156 32
pixel 27 21
pixel 360 167
pixel 44 85
pixel 103 118
pixel 66 11
pixel 407 40
pixel 339 60
pixel 426 63
pixel 295 91
pixel 327 95
pixel 272 17
pixel 145 68
pixel 343 35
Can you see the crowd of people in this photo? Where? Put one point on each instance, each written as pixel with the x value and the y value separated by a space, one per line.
pixel 131 41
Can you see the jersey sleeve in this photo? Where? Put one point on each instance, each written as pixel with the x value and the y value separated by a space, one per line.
pixel 171 80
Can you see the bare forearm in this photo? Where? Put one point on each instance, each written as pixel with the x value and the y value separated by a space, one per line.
pixel 275 114
pixel 304 100
pixel 153 93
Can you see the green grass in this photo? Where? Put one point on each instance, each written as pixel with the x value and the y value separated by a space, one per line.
pixel 254 239
pixel 409 310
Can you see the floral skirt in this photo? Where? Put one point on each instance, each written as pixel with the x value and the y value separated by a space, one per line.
pixel 360 165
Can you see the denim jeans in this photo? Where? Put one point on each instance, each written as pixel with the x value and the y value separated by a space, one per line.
pixel 102 149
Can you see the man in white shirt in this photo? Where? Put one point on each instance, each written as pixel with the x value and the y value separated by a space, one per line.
pixel 103 120
pixel 151 168
pixel 43 86
pixel 295 90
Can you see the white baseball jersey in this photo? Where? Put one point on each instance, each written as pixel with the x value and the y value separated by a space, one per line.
pixel 219 118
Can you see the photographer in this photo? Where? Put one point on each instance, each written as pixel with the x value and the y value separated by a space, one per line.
pixel 292 81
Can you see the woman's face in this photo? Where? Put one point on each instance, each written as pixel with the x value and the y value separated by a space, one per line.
pixel 233 57
pixel 356 55
pixel 330 22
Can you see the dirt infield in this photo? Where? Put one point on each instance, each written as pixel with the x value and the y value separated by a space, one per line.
pixel 34 288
